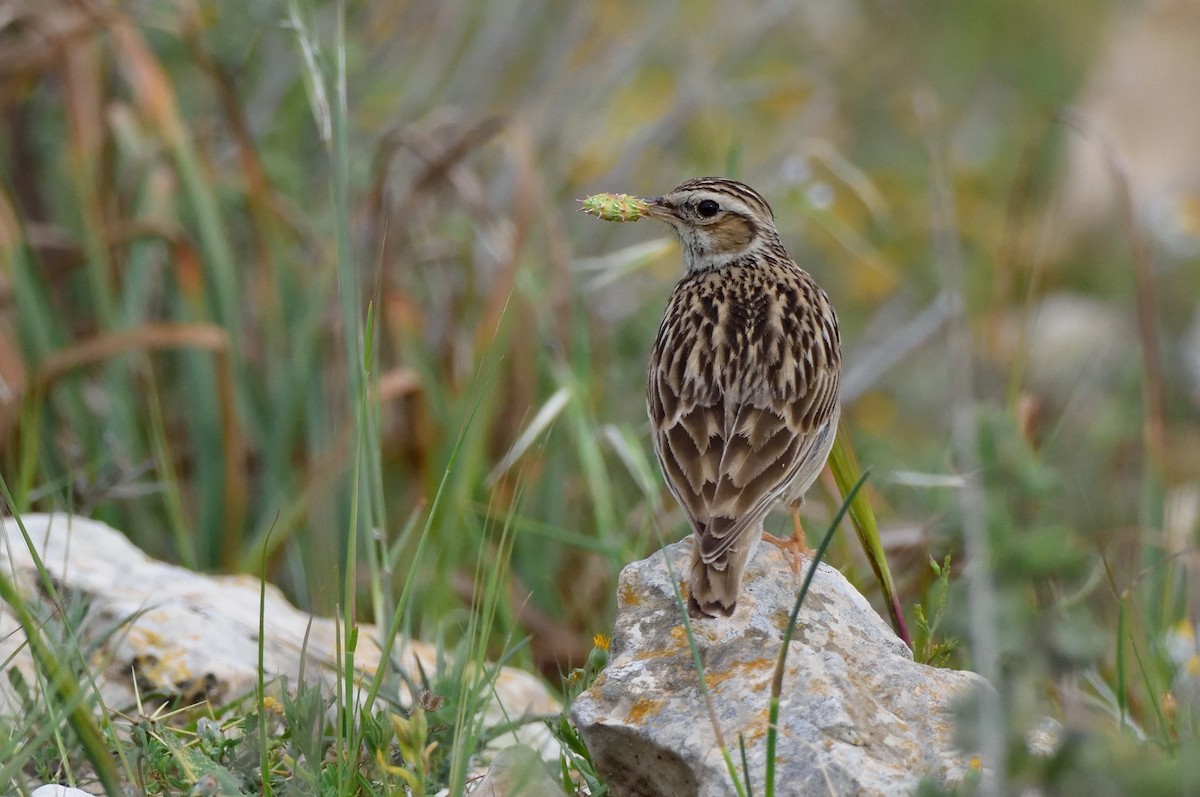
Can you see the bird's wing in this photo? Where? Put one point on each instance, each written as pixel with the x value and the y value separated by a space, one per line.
pixel 728 465
pixel 688 439
pixel 769 452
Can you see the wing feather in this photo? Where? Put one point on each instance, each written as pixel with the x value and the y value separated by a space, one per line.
pixel 743 416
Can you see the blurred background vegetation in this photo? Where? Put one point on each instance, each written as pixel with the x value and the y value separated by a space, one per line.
pixel 203 242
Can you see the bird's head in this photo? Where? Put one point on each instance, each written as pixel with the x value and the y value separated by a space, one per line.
pixel 718 221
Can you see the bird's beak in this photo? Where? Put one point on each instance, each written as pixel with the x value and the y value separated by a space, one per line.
pixel 659 208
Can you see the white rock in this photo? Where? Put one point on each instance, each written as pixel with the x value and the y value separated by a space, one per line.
pixel 857 716
pixel 195 636
pixel 55 790
pixel 517 771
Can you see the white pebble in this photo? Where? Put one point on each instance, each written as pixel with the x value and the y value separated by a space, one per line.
pixel 55 790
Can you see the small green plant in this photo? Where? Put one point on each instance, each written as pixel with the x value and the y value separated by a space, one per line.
pixel 930 649
pixel 416 751
pixel 581 678
pixel 575 762
pixel 170 765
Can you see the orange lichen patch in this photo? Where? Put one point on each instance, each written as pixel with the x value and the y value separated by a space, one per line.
pixel 757 730
pixel 779 619
pixel 141 638
pixel 643 708
pixel 678 636
pixel 658 653
pixel 749 669
pixel 156 661
pixel 628 596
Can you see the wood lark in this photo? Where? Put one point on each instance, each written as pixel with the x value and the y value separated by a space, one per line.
pixel 743 381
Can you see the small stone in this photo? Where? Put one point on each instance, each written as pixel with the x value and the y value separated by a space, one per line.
pixel 517 771
pixel 55 790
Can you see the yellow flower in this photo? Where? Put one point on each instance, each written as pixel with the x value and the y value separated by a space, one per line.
pixel 601 641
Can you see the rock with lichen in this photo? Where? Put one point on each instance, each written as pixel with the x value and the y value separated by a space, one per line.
pixel 857 714
pixel 192 637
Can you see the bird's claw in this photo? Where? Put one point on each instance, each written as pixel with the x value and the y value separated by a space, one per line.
pixel 796 545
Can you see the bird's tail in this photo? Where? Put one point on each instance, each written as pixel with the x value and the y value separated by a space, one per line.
pixel 715 585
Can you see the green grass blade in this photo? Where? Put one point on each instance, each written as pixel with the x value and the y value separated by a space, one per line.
pixel 844 464
pixel 60 680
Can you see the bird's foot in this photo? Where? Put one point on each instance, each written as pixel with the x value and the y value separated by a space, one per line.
pixel 796 545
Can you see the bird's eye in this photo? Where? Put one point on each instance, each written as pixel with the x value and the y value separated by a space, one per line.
pixel 708 208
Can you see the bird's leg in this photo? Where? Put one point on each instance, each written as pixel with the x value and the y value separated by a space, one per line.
pixel 797 544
